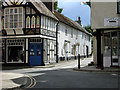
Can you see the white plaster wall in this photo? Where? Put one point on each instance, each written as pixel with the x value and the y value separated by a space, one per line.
pixel 62 37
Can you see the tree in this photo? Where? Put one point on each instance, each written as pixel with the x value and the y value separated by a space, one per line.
pixel 88 28
pixel 57 8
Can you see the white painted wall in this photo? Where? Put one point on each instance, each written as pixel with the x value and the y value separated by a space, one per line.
pixel 79 40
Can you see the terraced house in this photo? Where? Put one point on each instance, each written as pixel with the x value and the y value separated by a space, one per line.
pixel 73 39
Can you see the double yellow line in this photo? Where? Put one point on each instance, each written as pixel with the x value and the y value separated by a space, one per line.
pixel 32 82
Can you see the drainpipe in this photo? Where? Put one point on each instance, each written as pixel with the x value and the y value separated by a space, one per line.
pixel 57 42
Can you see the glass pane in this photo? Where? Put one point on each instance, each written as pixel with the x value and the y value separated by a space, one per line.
pixel 11 18
pixel 15 18
pixel 7 11
pixel 6 18
pixel 114 43
pixel 20 17
pixel 107 44
pixel 15 24
pixel 20 24
pixel 33 12
pixel 38 22
pixel 28 22
pixel 20 10
pixel 33 22
pixel 6 25
pixel 11 11
pixel 28 10
pixel 11 25
pixel 16 11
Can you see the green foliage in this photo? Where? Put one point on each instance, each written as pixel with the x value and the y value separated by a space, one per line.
pixel 57 8
pixel 60 10
pixel 55 5
pixel 88 28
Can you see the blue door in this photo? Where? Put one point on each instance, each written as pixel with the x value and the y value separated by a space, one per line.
pixel 35 53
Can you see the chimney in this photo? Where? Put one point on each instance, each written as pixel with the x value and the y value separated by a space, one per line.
pixel 49 4
pixel 79 20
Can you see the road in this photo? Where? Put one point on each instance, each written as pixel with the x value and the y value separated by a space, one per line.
pixel 63 76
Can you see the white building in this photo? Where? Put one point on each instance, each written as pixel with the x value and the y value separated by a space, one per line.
pixel 72 39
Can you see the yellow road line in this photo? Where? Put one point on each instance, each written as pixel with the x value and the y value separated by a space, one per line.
pixel 30 80
pixel 33 81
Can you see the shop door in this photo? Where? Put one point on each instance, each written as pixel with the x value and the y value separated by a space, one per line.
pixel 35 54
pixel 111 49
pixel 115 49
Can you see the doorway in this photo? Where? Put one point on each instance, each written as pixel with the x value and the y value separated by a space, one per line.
pixel 35 54
pixel 111 49
pixel 87 51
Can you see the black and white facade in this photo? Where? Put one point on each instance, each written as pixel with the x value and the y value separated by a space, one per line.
pixel 28 33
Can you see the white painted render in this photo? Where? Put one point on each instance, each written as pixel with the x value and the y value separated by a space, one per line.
pixel 78 39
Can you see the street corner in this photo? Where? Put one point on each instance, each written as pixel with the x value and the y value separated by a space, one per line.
pixel 12 81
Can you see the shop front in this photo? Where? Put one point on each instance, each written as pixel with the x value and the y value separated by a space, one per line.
pixel 111 50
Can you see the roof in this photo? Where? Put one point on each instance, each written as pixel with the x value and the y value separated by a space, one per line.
pixel 69 22
pixel 42 8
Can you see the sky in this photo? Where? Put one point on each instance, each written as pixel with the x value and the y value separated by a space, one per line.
pixel 73 9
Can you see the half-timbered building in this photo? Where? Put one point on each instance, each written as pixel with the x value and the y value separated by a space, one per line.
pixel 28 33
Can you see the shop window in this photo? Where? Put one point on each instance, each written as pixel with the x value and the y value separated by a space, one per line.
pixel 33 22
pixel 28 22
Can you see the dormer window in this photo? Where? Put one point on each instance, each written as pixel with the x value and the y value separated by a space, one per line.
pixel 13 17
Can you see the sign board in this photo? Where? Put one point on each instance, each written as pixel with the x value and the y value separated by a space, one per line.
pixel 110 22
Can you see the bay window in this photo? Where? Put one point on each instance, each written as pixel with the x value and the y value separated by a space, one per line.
pixel 13 17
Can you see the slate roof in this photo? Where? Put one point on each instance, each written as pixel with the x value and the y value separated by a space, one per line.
pixel 69 22
pixel 42 8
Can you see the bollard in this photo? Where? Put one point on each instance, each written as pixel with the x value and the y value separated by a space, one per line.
pixel 78 61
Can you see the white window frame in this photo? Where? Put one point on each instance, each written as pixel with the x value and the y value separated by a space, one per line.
pixel 13 17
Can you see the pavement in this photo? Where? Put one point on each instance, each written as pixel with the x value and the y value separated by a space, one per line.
pixel 94 69
pixel 9 79
pixel 15 80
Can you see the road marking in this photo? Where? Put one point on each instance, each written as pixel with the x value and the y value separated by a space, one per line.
pixel 32 82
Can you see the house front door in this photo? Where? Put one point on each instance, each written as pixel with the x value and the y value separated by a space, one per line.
pixel 35 53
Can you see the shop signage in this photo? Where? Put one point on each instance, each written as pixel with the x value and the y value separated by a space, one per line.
pixel 109 22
